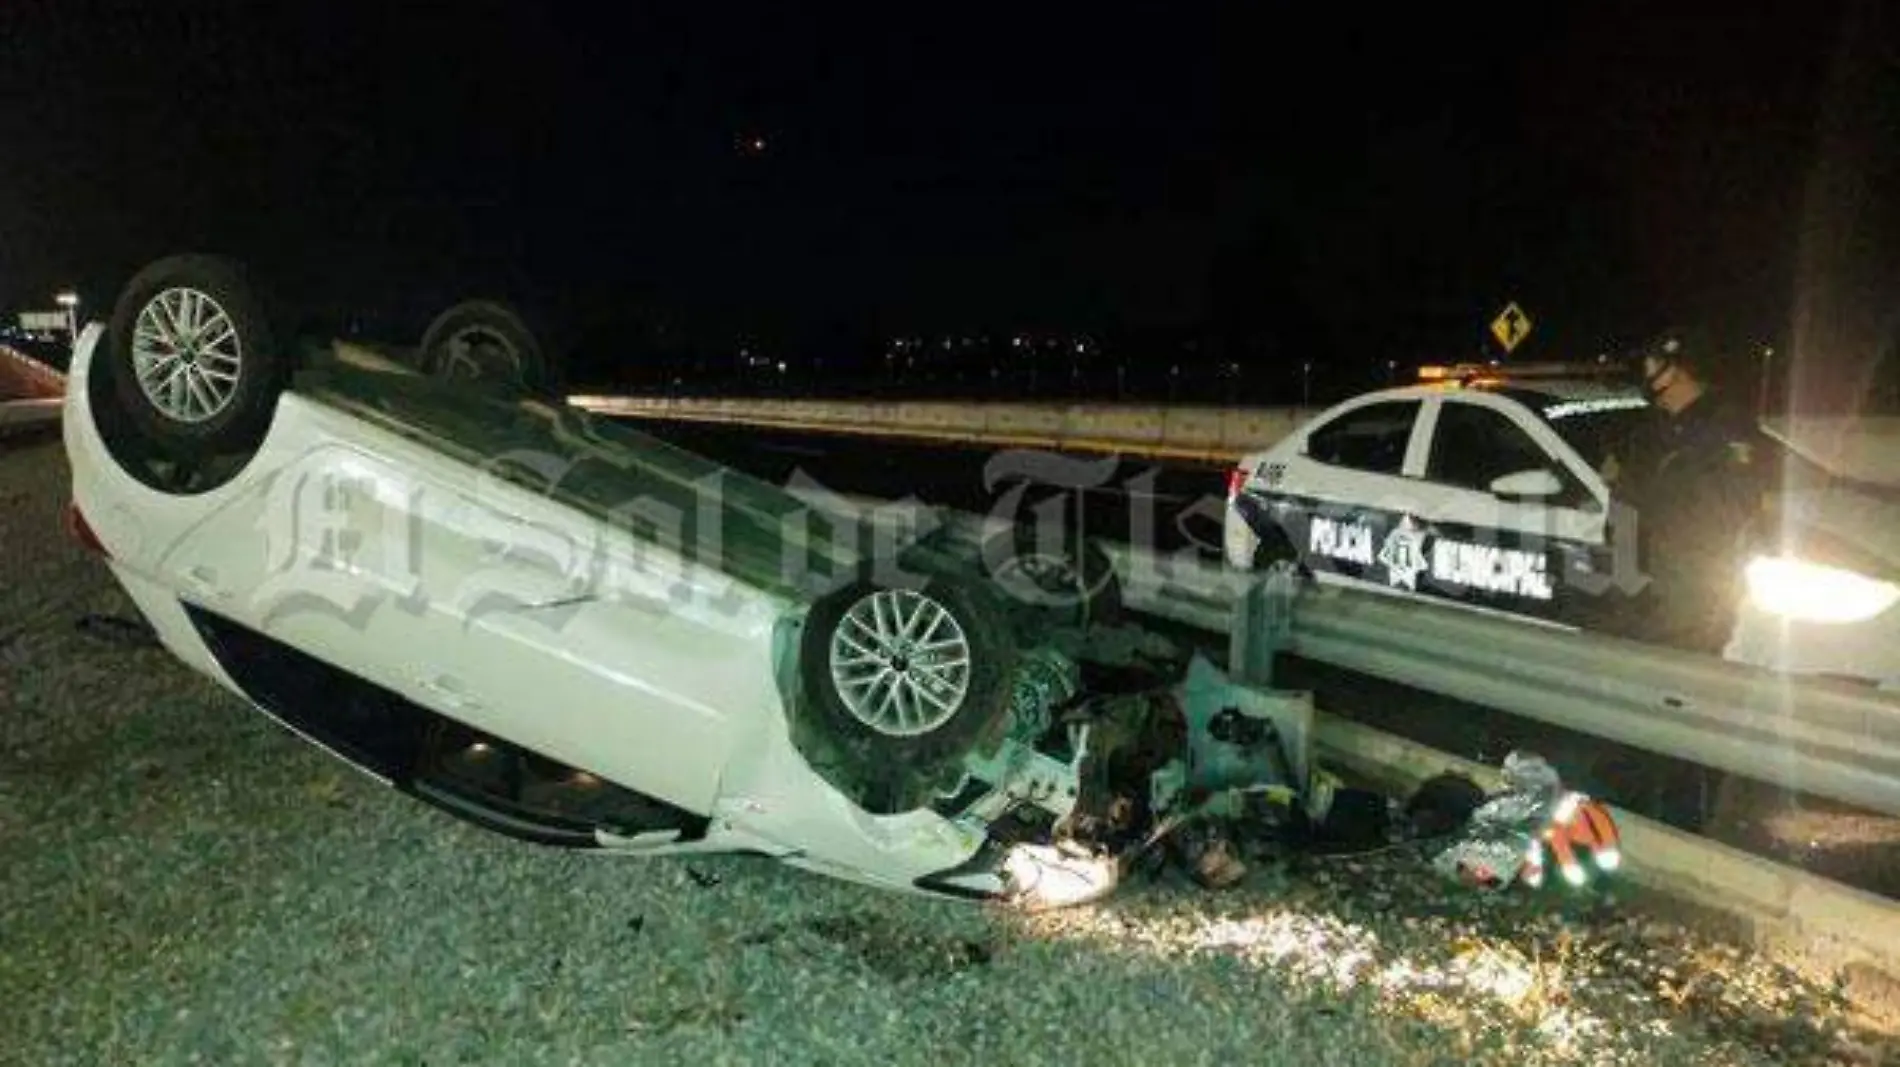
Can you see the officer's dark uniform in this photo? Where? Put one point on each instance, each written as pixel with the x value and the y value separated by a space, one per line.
pixel 1696 491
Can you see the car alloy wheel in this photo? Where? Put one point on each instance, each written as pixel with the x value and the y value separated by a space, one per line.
pixel 900 662
pixel 187 355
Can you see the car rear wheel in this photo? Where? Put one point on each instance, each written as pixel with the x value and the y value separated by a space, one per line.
pixel 904 679
pixel 193 360
pixel 1075 583
pixel 487 344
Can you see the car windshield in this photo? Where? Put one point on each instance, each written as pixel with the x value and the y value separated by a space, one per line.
pixel 741 525
pixel 1596 428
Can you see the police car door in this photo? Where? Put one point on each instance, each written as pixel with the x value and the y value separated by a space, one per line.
pixel 1346 488
pixel 1507 517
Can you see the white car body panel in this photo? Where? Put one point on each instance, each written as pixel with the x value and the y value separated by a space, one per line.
pixel 585 649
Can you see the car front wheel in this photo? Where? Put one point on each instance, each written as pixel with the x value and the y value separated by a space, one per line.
pixel 906 678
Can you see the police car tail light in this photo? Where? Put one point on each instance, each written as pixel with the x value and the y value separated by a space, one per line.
pixel 1236 481
pixel 1813 592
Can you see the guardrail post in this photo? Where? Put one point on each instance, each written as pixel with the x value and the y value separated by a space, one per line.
pixel 1263 623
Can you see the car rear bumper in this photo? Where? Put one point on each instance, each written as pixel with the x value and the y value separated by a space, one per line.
pixel 1239 542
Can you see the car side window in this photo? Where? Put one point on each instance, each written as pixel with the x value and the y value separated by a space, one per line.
pixel 1371 438
pixel 1474 445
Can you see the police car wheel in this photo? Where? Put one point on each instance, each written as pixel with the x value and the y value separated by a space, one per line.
pixel 1276 550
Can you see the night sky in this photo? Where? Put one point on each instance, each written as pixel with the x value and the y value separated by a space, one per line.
pixel 1351 186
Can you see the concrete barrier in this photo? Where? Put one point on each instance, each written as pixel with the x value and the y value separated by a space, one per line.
pixel 1214 436
pixel 1138 426
pixel 1192 429
pixel 1025 423
pixel 1246 430
pixel 1833 934
pixel 938 417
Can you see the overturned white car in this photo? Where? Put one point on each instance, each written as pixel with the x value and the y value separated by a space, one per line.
pixel 577 634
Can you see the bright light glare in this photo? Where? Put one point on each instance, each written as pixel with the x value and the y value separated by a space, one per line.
pixel 1045 876
pixel 1810 592
pixel 1608 859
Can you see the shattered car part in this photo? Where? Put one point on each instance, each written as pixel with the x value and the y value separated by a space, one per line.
pixel 1208 852
pixel 1041 877
pixel 1046 680
pixel 1193 765
pixel 1240 736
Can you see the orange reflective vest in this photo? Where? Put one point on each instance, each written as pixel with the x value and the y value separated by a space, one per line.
pixel 1578 824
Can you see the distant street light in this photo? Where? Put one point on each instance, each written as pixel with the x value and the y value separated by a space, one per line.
pixel 70 301
pixel 1306 384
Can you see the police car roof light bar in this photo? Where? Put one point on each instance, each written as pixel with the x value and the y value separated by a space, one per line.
pixel 1467 373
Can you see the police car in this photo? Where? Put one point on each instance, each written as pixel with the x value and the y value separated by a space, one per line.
pixel 1486 487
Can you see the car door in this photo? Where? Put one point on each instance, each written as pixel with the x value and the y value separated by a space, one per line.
pixel 1482 545
pixel 1338 491
pixel 478 595
pixel 542 624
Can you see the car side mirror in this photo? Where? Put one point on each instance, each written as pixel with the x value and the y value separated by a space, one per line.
pixel 1539 484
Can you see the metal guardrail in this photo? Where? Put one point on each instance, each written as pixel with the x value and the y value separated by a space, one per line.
pixel 1824 737
pixel 29 378
pixel 1193 433
pixel 26 416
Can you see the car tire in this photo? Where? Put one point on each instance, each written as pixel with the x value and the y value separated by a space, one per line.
pixel 1071 586
pixel 193 360
pixel 906 678
pixel 485 343
pixel 1275 548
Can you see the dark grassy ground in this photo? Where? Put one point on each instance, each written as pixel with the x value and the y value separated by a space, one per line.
pixel 181 881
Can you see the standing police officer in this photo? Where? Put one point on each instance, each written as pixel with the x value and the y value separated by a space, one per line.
pixel 1694 486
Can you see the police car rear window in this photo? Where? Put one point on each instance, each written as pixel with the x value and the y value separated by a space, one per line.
pixel 1370 438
